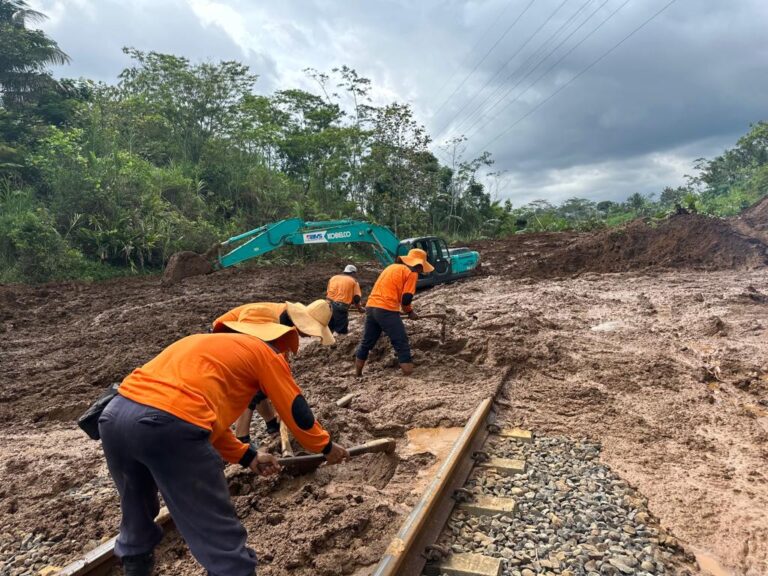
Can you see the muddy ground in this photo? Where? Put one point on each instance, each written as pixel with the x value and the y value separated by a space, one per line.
pixel 666 367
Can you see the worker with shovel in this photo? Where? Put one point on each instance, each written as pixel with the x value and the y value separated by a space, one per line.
pixel 343 293
pixel 169 426
pixel 311 320
pixel 392 293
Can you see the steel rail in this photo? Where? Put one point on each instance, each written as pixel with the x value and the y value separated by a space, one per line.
pixel 405 555
pixel 102 559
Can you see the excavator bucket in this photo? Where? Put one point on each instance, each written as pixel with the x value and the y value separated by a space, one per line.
pixel 185 264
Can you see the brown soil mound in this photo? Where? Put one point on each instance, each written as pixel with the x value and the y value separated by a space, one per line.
pixel 683 241
pixel 513 256
pixel 667 370
pixel 757 214
pixel 183 265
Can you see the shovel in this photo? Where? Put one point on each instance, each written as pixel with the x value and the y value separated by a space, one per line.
pixel 297 465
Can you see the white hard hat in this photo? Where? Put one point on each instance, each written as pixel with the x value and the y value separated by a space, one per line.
pixel 350 269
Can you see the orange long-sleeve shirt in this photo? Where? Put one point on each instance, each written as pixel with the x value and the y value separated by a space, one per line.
pixel 208 380
pixel 394 281
pixel 343 288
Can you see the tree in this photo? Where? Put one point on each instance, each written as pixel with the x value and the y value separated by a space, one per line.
pixel 606 206
pixel 637 202
pixel 578 209
pixel 25 54
pixel 186 105
pixel 672 196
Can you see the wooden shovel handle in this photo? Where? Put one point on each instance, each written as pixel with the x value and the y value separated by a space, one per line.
pixel 380 445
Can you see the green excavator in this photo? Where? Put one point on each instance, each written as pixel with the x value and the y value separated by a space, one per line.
pixel 450 263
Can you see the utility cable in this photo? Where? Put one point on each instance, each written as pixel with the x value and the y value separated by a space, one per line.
pixel 501 69
pixel 471 51
pixel 477 112
pixel 480 118
pixel 581 73
pixel 509 28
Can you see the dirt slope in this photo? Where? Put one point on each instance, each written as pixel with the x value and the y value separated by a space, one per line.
pixel 667 369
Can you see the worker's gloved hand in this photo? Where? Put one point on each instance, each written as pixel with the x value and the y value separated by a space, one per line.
pixel 265 464
pixel 412 315
pixel 337 454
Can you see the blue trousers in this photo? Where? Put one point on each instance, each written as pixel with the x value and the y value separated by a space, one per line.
pixel 378 320
pixel 340 318
pixel 149 450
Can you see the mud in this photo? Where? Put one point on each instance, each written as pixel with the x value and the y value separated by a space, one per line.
pixel 183 265
pixel 665 367
pixel 685 241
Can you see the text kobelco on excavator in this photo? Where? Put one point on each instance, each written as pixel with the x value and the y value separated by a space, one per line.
pixel 325 236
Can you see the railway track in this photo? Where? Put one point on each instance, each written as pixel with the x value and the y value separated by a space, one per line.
pixel 413 550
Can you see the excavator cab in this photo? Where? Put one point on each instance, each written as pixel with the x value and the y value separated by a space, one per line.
pixel 448 266
pixel 437 255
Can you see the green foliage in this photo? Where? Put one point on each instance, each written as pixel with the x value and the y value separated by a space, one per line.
pixel 99 179
pixel 24 54
pixel 30 246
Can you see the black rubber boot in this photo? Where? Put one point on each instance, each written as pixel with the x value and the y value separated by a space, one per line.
pixel 139 565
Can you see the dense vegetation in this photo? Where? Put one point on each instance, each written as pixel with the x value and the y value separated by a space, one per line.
pixel 98 179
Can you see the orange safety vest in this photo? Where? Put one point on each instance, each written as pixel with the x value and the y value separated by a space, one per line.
pixel 209 379
pixel 394 281
pixel 343 288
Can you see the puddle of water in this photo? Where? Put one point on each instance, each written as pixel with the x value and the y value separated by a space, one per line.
pixel 710 565
pixel 610 326
pixel 436 441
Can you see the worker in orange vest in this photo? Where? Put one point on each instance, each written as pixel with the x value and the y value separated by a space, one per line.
pixel 343 292
pixel 311 320
pixel 392 293
pixel 169 426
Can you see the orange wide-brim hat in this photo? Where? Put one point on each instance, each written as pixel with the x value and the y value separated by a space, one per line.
pixel 415 257
pixel 312 319
pixel 260 320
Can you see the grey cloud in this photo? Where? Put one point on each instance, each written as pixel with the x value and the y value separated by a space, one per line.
pixel 686 85
pixel 94 36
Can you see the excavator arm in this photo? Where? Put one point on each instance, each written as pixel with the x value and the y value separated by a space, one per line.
pixel 449 264
pixel 297 232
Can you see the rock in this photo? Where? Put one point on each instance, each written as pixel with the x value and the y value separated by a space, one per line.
pixel 620 565
pixel 527 572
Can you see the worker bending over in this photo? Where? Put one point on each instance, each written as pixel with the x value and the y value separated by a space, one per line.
pixel 393 292
pixel 161 430
pixel 343 292
pixel 311 320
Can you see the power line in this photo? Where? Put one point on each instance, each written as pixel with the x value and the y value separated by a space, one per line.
pixel 581 73
pixel 532 70
pixel 509 28
pixel 478 110
pixel 474 46
pixel 501 69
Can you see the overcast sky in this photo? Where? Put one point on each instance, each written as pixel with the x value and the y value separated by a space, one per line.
pixel 686 85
